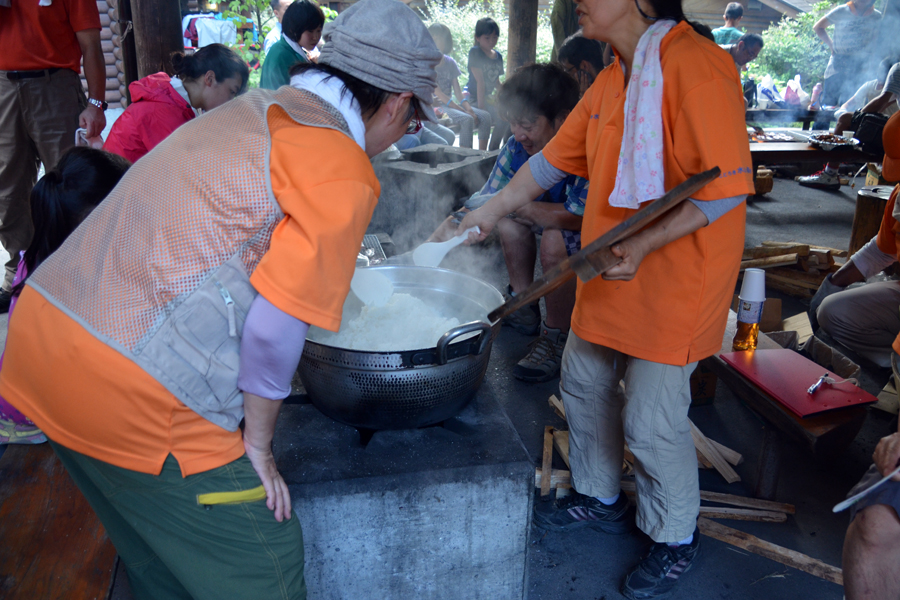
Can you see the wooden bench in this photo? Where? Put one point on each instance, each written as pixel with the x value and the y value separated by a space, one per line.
pixel 52 546
pixel 825 435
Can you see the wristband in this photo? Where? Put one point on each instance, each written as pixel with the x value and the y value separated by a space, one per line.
pixel 98 103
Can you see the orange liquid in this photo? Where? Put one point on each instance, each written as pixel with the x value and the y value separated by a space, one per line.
pixel 746 336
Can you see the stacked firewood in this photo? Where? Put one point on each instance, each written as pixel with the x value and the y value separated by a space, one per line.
pixel 793 268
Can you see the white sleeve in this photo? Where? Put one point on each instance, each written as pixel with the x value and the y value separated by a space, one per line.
pixel 871 260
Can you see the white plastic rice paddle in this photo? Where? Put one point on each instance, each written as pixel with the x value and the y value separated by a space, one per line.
pixel 857 497
pixel 372 287
pixel 430 254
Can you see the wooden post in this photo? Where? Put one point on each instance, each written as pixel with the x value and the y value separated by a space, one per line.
pixel 522 34
pixel 870 203
pixel 769 467
pixel 126 44
pixel 157 33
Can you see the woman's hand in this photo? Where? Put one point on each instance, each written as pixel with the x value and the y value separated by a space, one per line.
pixel 632 252
pixel 482 218
pixel 278 498
pixel 887 455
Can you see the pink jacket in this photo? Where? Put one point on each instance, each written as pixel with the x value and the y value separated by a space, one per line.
pixel 156 110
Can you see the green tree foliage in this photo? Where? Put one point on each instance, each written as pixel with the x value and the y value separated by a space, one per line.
pixel 791 47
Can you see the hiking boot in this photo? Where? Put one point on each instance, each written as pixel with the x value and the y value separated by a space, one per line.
pixel 821 180
pixel 658 573
pixel 577 510
pixel 526 320
pixel 543 361
pixel 20 433
pixel 5 300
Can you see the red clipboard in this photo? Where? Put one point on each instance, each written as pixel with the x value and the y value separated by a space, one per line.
pixel 787 375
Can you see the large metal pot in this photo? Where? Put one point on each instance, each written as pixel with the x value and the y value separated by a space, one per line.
pixel 412 388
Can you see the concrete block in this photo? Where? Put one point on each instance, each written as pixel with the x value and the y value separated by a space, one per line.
pixel 422 187
pixel 437 513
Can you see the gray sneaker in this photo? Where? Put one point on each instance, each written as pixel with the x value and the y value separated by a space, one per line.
pixel 526 320
pixel 821 180
pixel 543 361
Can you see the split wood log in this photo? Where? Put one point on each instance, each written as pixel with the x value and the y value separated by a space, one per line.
pixel 730 499
pixel 558 407
pixel 785 556
pixel 823 257
pixel 782 260
pixel 559 479
pixel 800 277
pixel 732 456
pixel 792 290
pixel 835 252
pixel 629 456
pixel 742 514
pixel 561 443
pixel 702 461
pixel 793 281
pixel 714 456
pixel 767 251
pixel 547 461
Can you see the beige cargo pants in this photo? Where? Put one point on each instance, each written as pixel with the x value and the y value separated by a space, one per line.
pixel 38 119
pixel 651 416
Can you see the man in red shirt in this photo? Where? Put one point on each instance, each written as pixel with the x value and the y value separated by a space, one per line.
pixel 42 103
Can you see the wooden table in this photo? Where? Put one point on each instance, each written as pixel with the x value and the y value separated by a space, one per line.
pixel 789 115
pixel 781 153
pixel 826 435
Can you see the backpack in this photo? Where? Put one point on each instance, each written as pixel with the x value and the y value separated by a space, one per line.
pixel 868 128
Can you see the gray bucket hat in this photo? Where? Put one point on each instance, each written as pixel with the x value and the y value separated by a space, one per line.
pixel 385 44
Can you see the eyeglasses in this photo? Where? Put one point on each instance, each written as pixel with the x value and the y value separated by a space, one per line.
pixel 415 123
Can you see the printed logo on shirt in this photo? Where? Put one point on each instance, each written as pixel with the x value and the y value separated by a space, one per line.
pixel 737 171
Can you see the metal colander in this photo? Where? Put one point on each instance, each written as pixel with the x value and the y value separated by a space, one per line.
pixel 413 388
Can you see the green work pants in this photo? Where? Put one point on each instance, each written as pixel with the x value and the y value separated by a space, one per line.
pixel 174 548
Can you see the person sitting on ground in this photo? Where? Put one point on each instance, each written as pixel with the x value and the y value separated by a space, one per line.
pixel 873 97
pixel 301 31
pixel 746 49
pixel 583 59
pixel 161 104
pixel 461 113
pixel 60 201
pixel 871 550
pixel 426 132
pixel 485 66
pixel 278 7
pixel 855 29
pixel 729 34
pixel 536 100
pixel 866 319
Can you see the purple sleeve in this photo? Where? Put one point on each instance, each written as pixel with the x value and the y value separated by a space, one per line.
pixel 271 345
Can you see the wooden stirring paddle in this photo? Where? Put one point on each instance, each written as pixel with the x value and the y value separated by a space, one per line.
pixel 597 258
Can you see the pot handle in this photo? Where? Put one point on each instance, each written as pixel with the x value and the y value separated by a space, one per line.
pixel 479 343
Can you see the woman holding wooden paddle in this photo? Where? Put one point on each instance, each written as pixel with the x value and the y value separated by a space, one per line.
pixel 669 107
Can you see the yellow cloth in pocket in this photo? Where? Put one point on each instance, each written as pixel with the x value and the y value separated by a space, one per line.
pixel 251 495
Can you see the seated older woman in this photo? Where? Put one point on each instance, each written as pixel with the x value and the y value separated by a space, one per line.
pixel 535 101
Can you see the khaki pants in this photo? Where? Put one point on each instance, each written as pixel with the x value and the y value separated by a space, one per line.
pixel 651 416
pixel 38 119
pixel 865 319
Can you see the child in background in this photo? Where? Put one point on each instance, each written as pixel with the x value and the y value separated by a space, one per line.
pixel 161 104
pixel 60 201
pixel 485 69
pixel 462 114
pixel 301 30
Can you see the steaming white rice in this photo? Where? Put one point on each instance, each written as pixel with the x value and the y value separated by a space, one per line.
pixel 403 323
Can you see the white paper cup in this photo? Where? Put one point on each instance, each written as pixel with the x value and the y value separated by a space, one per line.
pixel 848 134
pixel 753 289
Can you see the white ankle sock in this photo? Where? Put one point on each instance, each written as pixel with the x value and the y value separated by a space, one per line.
pixel 685 541
pixel 608 501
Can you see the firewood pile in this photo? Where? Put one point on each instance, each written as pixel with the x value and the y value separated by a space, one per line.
pixel 793 268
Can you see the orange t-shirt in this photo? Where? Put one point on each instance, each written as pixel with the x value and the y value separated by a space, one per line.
pixel 88 397
pixel 887 238
pixel 34 37
pixel 675 309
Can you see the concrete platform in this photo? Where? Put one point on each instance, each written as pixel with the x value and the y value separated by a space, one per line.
pixel 437 513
